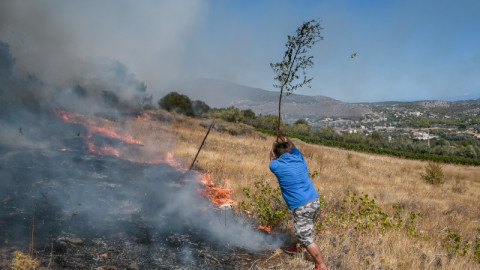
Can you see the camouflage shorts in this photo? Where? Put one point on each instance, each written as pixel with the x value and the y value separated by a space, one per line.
pixel 304 216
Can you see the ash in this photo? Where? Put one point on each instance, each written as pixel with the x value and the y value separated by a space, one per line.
pixel 91 211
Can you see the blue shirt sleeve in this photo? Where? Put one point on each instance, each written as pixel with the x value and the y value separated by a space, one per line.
pixel 273 165
pixel 296 152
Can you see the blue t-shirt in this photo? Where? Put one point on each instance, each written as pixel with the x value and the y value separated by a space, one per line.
pixel 292 175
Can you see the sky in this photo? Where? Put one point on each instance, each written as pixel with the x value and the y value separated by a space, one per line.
pixel 406 49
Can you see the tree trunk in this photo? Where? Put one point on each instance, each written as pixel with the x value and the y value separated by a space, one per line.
pixel 279 109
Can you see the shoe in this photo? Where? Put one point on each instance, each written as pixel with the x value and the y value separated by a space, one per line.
pixel 318 267
pixel 292 250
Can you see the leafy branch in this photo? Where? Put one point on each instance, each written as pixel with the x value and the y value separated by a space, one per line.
pixel 295 60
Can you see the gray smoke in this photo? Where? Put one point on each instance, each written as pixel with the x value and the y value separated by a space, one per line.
pixel 58 40
pixel 77 192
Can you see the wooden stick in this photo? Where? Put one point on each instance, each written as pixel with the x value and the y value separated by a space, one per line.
pixel 51 253
pixel 203 142
pixel 33 235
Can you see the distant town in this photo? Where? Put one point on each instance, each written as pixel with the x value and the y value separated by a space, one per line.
pixel 422 120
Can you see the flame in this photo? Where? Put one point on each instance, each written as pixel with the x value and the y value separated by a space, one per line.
pixel 142 117
pixel 267 228
pixel 105 149
pixel 112 134
pixel 217 195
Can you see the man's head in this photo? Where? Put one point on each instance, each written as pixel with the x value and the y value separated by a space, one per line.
pixel 281 148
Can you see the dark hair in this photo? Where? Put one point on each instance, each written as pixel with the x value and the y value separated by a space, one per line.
pixel 281 148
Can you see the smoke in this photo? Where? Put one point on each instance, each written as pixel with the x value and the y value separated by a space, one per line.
pixel 85 57
pixel 73 191
pixel 57 40
pixel 102 87
pixel 76 193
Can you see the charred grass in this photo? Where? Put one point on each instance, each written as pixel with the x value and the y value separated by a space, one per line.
pixel 242 157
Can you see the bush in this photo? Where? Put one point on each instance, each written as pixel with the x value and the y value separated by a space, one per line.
pixel 176 102
pixel 265 203
pixel 363 213
pixel 230 114
pixel 453 243
pixel 433 174
pixel 301 122
pixel 476 247
pixel 199 107
pixel 326 133
pixel 354 137
pixel 301 129
pixel 266 122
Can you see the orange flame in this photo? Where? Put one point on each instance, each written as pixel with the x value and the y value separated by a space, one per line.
pixel 217 195
pixel 267 228
pixel 105 149
pixel 142 117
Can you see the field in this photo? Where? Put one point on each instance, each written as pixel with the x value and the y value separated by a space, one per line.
pixel 448 211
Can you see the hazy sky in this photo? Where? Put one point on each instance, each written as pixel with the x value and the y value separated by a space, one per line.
pixel 406 50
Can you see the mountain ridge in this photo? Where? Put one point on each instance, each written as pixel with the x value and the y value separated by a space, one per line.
pixel 221 94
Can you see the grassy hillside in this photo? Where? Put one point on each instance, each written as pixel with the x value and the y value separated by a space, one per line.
pixel 443 238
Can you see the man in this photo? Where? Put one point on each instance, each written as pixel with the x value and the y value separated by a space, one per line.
pixel 288 165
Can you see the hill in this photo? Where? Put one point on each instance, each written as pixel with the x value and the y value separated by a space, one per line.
pixel 225 94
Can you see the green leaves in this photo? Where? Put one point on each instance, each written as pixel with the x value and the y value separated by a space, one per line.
pixel 361 212
pixel 433 174
pixel 295 59
pixel 265 203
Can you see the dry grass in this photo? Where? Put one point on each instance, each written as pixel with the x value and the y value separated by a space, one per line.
pixel 244 159
pixel 24 262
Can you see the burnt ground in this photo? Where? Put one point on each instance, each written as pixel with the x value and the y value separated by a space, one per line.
pixel 91 211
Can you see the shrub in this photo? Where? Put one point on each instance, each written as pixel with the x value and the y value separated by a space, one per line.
pixel 266 122
pixel 301 122
pixel 326 133
pixel 476 247
pixel 453 243
pixel 24 262
pixel 299 129
pixel 362 213
pixel 265 203
pixel 354 138
pixel 433 174
pixel 230 114
pixel 199 107
pixel 179 103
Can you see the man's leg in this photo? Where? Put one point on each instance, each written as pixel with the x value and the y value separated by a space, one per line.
pixel 314 250
pixel 303 222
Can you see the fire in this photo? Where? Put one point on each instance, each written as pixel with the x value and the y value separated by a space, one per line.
pixel 112 134
pixel 105 149
pixel 267 228
pixel 217 195
pixel 102 150
pixel 170 160
pixel 142 117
